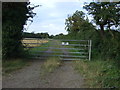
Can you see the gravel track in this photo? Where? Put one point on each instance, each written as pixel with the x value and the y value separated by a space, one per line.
pixel 64 77
pixel 30 77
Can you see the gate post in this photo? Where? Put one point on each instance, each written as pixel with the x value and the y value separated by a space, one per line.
pixel 90 43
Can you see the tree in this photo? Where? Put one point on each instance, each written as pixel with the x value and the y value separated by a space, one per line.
pixel 14 16
pixel 59 36
pixel 77 24
pixel 44 35
pixel 51 36
pixel 74 22
pixel 104 14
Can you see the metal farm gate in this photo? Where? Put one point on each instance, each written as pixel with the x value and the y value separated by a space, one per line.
pixel 70 49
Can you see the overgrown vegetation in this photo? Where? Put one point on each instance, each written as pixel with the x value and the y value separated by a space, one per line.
pixel 102 71
pixel 15 64
pixel 105 63
pixel 14 17
pixel 104 47
pixel 99 73
pixel 12 65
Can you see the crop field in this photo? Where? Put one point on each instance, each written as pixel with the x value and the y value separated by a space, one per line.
pixel 33 42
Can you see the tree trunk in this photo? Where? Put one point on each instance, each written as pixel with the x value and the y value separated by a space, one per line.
pixel 102 31
pixel 111 32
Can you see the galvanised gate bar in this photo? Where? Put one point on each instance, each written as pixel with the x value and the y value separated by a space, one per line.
pixel 65 49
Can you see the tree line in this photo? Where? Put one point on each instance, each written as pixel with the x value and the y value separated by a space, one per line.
pixel 37 35
pixel 103 30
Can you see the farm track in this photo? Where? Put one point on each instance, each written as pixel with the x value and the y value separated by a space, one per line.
pixel 64 77
pixel 30 77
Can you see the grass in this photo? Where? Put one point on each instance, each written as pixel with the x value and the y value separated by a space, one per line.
pixel 99 74
pixel 37 51
pixel 80 52
pixel 42 47
pixel 15 64
pixel 52 62
pixel 12 65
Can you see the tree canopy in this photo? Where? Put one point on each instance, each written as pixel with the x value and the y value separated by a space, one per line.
pixel 104 14
pixel 14 17
pixel 78 23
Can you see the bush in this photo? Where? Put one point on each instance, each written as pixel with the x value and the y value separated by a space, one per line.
pixel 14 17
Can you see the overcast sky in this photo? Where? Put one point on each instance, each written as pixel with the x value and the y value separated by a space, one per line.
pixel 52 14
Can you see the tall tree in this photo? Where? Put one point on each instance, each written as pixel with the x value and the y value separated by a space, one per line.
pixel 77 23
pixel 73 22
pixel 104 14
pixel 14 16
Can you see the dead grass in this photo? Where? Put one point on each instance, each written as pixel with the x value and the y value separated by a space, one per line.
pixel 39 41
pixel 51 64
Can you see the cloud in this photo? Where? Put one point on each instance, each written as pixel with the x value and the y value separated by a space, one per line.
pixel 47 3
pixel 52 14
pixel 51 26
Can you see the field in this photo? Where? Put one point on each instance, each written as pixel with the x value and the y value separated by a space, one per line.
pixel 33 42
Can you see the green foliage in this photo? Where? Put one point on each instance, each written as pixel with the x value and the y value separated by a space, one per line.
pixel 51 36
pixel 107 48
pixel 12 65
pixel 14 15
pixel 104 13
pixel 35 35
pixel 102 48
pixel 99 73
pixel 52 62
pixel 60 36
pixel 35 51
pixel 77 23
pixel 103 70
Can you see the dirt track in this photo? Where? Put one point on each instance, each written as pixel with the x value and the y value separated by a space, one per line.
pixel 29 77
pixel 64 77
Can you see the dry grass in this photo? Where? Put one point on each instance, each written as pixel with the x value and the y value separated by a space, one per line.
pixel 51 64
pixel 39 41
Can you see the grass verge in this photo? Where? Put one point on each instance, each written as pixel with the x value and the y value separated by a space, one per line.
pixel 12 65
pixel 99 74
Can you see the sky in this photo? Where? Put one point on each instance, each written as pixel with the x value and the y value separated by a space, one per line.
pixel 51 15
